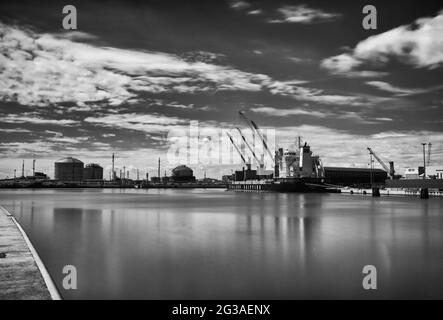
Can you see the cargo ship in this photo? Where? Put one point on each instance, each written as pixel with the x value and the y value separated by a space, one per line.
pixel 290 170
pixel 293 172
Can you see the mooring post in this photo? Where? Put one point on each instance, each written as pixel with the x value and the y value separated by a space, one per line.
pixel 424 193
pixel 375 192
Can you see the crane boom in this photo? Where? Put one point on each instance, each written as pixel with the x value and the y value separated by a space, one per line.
pixel 236 148
pixel 251 124
pixel 248 145
pixel 385 167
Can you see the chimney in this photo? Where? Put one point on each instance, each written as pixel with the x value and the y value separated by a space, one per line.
pixel 158 168
pixel 113 172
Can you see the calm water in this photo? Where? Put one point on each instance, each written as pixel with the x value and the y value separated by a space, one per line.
pixel 176 244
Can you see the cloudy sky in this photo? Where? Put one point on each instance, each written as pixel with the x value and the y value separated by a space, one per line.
pixel 135 70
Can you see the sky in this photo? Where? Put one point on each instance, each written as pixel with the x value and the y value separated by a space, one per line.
pixel 134 72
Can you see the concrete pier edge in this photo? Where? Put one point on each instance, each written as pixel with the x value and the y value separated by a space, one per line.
pixel 55 295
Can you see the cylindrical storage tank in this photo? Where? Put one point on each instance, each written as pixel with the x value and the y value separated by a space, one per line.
pixel 93 171
pixel 183 173
pixel 69 169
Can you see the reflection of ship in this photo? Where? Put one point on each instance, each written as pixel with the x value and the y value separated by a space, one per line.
pixel 294 171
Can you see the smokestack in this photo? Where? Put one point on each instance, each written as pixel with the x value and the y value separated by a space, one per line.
pixel 124 172
pixel 23 169
pixel 33 168
pixel 113 172
pixel 158 167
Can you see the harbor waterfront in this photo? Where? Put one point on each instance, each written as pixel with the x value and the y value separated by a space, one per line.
pixel 217 244
pixel 22 274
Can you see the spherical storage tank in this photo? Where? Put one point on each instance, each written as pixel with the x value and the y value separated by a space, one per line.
pixel 69 169
pixel 183 173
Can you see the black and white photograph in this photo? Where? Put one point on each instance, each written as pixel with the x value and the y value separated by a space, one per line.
pixel 226 150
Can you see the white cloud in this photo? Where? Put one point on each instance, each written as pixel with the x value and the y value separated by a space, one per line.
pixel 255 12
pixel 345 65
pixel 420 45
pixel 108 135
pixel 393 89
pixel 239 4
pixel 291 88
pixel 303 14
pixel 150 123
pixel 13 118
pixel 44 69
pixel 384 119
pixel 15 130
pixel 288 112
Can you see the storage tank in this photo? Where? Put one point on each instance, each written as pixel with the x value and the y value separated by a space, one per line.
pixel 69 169
pixel 183 174
pixel 93 171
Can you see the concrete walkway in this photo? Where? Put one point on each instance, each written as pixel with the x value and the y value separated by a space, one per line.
pixel 22 275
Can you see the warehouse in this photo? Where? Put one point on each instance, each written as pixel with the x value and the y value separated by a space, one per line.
pixel 355 177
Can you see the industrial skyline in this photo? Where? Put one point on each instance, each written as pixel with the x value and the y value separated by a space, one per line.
pixel 304 68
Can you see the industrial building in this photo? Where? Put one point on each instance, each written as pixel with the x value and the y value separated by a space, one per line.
pixel 356 177
pixel 434 172
pixel 69 169
pixel 93 171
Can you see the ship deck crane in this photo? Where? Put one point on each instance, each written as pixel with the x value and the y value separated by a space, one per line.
pixel 237 148
pixel 249 146
pixel 251 124
pixel 385 167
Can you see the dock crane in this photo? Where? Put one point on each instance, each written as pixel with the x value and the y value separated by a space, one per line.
pixel 385 167
pixel 251 124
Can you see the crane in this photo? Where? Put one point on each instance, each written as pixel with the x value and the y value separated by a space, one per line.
pixel 429 154
pixel 251 124
pixel 385 167
pixel 237 148
pixel 249 146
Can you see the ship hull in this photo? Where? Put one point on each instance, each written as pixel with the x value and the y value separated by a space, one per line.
pixel 282 185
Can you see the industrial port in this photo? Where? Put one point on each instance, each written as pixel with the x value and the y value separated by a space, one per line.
pixel 296 170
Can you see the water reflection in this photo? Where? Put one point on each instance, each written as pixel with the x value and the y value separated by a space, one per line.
pixel 213 244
